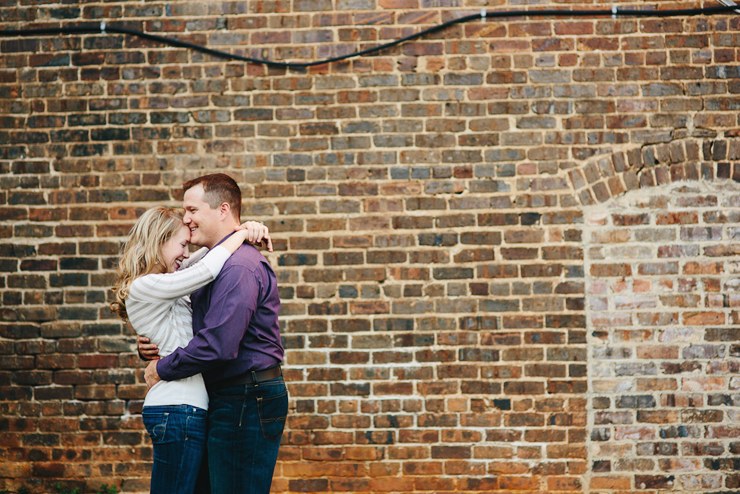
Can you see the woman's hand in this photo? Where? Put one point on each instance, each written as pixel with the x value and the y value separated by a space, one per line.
pixel 147 350
pixel 257 233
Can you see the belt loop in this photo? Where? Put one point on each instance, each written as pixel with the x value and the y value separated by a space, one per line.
pixel 254 378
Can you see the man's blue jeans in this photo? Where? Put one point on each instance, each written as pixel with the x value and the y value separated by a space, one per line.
pixel 178 435
pixel 245 424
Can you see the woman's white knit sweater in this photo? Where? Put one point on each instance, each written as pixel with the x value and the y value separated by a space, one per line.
pixel 158 307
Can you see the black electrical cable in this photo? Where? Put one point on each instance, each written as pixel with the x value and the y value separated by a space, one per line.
pixel 104 28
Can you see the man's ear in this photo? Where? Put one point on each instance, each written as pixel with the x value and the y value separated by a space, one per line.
pixel 224 211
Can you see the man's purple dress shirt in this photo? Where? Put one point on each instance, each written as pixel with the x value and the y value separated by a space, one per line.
pixel 235 323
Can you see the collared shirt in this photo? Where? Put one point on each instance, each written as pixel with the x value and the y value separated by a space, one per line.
pixel 235 323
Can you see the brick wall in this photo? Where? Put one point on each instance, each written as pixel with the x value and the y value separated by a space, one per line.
pixel 662 302
pixel 506 250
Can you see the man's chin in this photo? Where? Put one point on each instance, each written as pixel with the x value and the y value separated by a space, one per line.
pixel 196 239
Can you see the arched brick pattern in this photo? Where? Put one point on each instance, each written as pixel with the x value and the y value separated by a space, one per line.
pixel 605 177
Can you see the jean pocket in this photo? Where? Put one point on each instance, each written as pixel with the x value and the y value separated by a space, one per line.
pixel 156 425
pixel 273 410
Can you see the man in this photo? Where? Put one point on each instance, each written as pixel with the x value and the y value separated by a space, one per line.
pixel 236 346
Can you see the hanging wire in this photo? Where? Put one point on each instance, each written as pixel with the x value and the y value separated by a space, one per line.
pixel 614 12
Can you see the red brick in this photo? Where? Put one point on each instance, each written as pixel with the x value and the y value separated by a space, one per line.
pixel 405 174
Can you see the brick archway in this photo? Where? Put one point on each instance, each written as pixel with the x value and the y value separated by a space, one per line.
pixel 604 177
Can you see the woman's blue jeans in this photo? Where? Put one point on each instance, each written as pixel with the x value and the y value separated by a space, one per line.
pixel 178 434
pixel 245 424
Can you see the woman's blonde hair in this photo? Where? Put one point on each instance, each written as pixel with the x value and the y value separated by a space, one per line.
pixel 142 252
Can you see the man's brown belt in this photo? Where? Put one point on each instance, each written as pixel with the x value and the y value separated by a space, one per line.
pixel 251 377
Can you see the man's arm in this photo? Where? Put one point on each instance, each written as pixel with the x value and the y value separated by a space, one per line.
pixel 234 298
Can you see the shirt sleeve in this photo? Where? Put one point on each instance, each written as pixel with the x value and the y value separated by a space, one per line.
pixel 194 257
pixel 171 286
pixel 235 297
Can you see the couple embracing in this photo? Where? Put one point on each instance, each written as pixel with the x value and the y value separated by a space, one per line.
pixel 216 404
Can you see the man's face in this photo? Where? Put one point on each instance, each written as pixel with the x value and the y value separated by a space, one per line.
pixel 200 218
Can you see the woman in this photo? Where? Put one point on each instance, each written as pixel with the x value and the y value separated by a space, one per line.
pixel 156 275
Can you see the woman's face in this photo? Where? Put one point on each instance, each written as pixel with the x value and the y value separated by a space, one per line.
pixel 175 250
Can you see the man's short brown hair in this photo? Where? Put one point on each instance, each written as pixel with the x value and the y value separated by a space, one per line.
pixel 218 188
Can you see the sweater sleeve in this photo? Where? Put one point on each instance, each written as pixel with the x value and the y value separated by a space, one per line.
pixel 194 257
pixel 171 286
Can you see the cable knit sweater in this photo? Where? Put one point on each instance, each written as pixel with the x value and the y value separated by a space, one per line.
pixel 158 307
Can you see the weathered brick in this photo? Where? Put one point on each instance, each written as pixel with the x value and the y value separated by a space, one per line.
pixel 434 241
